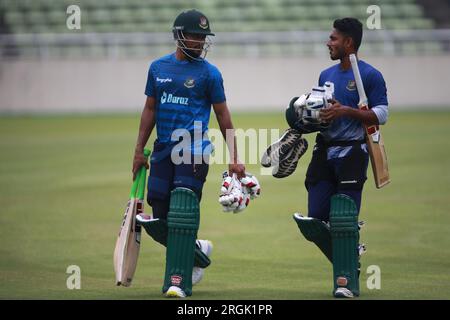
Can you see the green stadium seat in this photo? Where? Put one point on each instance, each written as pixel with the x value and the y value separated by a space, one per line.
pixel 40 28
pixel 230 14
pixel 297 13
pixel 129 27
pixel 144 15
pixel 98 16
pixel 410 10
pixel 19 28
pixel 103 27
pixel 252 13
pixel 27 5
pixel 422 23
pixel 389 11
pixel 115 4
pixel 122 15
pixel 158 27
pixel 6 5
pixel 48 5
pixel 15 18
pixel 36 18
pixel 394 24
pixel 342 10
pixel 320 12
pixel 273 13
pixel 57 17
pixel 165 14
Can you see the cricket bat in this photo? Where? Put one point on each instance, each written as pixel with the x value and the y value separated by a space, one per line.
pixel 374 139
pixel 128 242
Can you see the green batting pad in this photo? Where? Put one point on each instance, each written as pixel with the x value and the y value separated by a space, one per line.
pixel 316 231
pixel 183 221
pixel 157 229
pixel 345 239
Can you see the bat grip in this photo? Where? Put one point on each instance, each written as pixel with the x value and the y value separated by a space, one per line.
pixel 141 184
pixel 135 185
pixel 142 175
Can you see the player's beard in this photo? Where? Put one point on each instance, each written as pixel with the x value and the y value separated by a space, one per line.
pixel 192 53
pixel 337 53
pixel 189 52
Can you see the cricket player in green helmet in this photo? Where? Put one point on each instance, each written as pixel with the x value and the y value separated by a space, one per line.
pixel 181 88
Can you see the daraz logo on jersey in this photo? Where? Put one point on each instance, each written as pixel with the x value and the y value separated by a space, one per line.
pixel 170 98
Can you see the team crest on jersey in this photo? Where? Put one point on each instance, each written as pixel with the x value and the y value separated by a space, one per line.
pixel 203 23
pixel 351 85
pixel 189 83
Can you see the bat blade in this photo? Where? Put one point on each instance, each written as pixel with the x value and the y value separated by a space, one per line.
pixel 133 246
pixel 374 139
pixel 122 244
pixel 128 243
pixel 379 161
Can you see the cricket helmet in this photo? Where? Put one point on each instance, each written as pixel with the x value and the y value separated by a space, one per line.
pixel 192 22
pixel 303 113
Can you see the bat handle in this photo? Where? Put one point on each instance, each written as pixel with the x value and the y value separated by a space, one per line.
pixel 142 175
pixel 135 185
pixel 141 183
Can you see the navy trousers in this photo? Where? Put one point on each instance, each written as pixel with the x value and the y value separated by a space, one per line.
pixel 326 178
pixel 166 176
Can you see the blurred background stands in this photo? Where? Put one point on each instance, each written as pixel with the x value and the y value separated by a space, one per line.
pixel 136 28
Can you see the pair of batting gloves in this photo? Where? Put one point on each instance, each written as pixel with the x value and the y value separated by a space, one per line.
pixel 235 194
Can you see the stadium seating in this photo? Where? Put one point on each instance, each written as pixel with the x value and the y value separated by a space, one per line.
pixel 118 16
pixel 232 15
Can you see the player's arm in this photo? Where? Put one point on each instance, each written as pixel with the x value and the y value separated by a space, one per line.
pixel 145 130
pixel 336 110
pixel 226 127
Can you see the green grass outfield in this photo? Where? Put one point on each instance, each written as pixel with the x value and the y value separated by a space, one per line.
pixel 64 183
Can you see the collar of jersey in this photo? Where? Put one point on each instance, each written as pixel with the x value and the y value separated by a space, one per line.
pixel 175 60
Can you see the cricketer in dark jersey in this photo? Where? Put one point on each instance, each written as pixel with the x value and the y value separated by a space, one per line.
pixel 343 169
pixel 338 169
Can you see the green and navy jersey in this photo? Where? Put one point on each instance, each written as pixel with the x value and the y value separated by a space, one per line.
pixel 184 92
